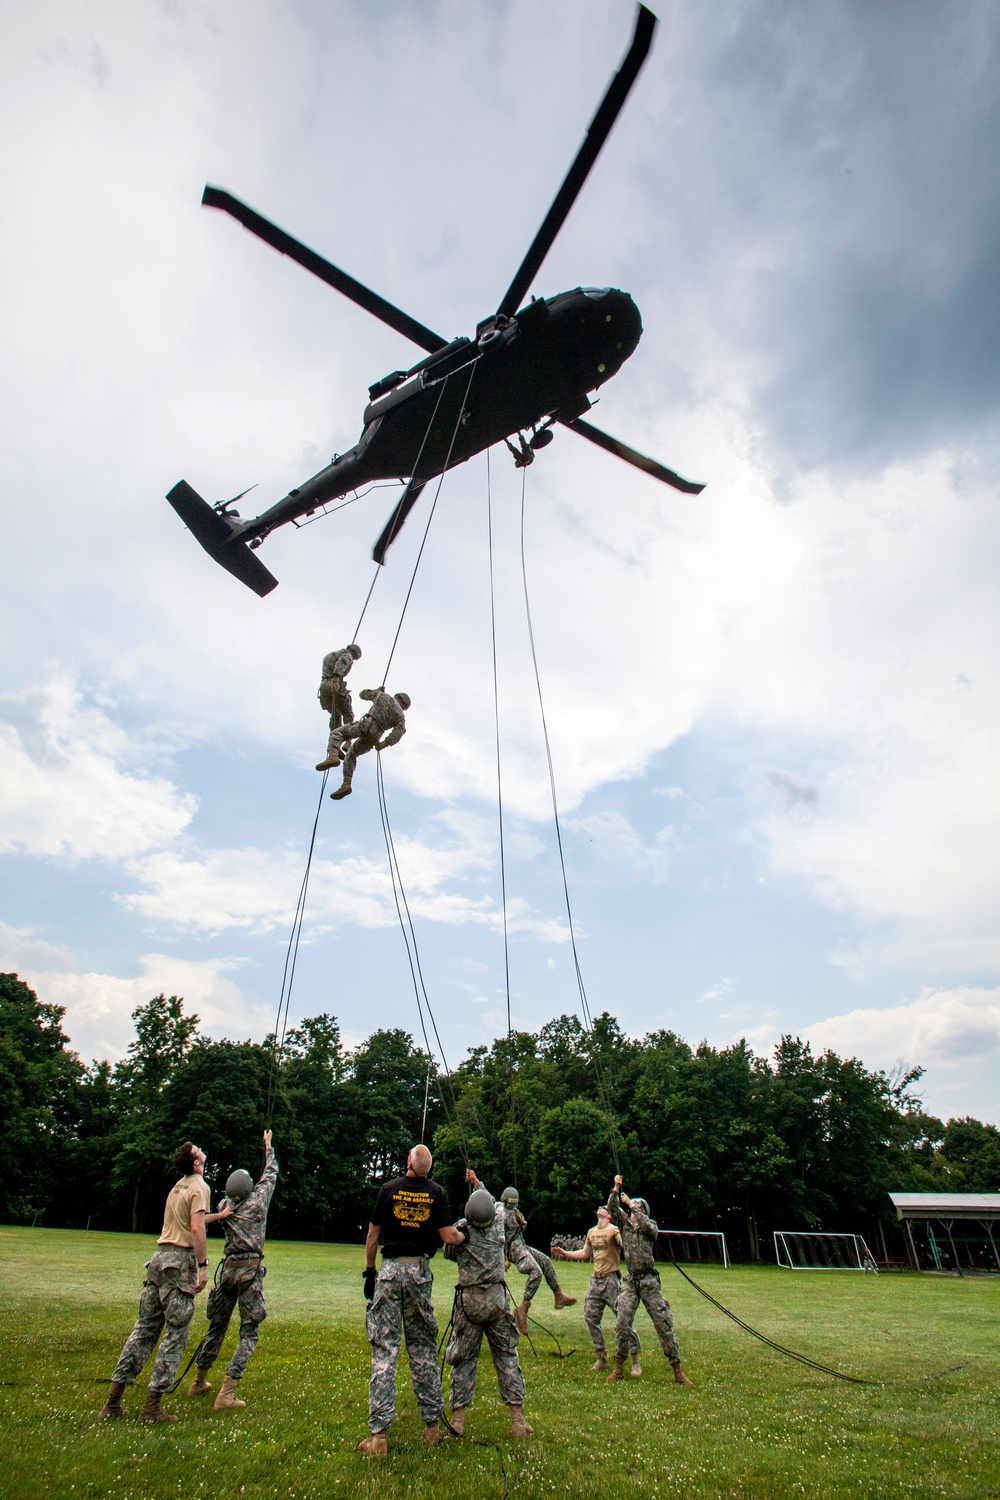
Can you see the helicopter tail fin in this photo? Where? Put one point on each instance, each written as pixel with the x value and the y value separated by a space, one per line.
pixel 215 533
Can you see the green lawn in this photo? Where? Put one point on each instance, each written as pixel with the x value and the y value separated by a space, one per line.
pixel 756 1424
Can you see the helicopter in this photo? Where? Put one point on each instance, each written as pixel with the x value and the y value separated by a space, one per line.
pixel 527 369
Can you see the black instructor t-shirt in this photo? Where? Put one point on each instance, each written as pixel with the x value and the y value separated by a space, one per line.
pixel 410 1211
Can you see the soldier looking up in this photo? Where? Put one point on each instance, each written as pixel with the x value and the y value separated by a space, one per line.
pixel 603 1247
pixel 482 1306
pixel 412 1217
pixel 642 1284
pixel 244 1211
pixel 383 725
pixel 530 1262
pixel 335 696
pixel 175 1275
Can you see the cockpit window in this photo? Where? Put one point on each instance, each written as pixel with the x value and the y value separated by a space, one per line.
pixel 595 291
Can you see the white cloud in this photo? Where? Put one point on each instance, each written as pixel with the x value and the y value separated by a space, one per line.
pixel 614 838
pixel 72 781
pixel 716 992
pixel 99 1006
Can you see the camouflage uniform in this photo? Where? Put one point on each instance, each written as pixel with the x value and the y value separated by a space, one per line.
pixel 642 1284
pixel 602 1292
pixel 402 1304
pixel 241 1278
pixel 167 1303
pixel 385 717
pixel 482 1305
pixel 334 695
pixel 530 1262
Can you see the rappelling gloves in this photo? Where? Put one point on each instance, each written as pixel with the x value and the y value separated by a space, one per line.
pixel 239 1185
pixel 480 1208
pixel 369 1277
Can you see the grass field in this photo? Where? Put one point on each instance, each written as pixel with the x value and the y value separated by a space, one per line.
pixel 755 1426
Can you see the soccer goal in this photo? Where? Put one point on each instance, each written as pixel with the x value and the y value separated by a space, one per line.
pixel 707 1246
pixel 797 1251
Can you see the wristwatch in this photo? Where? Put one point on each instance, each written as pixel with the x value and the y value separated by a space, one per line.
pixel 202 1264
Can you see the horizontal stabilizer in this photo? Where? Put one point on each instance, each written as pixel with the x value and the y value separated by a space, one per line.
pixel 215 534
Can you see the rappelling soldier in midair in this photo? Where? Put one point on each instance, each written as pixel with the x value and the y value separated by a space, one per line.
pixel 530 1262
pixel 334 695
pixel 383 725
pixel 241 1278
pixel 603 1246
pixel 642 1284
pixel 482 1305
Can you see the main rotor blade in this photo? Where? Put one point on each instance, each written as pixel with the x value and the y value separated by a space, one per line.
pixel 638 460
pixel 391 529
pixel 597 133
pixel 214 197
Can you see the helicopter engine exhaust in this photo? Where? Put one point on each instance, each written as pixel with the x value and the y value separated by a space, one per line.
pixel 218 533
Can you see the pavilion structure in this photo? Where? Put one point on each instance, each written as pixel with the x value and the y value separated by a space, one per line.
pixel 946 1220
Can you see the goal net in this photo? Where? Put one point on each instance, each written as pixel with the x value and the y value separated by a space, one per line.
pixel 798 1251
pixel 695 1245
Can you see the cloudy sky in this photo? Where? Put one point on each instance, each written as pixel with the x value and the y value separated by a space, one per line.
pixel 774 707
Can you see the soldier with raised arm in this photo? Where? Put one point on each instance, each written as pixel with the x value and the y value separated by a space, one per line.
pixel 532 1263
pixel 241 1279
pixel 603 1246
pixel 482 1305
pixel 642 1284
pixel 383 725
pixel 335 696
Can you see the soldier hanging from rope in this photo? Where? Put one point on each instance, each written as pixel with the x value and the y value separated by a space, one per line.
pixel 383 725
pixel 530 1262
pixel 642 1284
pixel 482 1305
pixel 241 1278
pixel 603 1246
pixel 334 695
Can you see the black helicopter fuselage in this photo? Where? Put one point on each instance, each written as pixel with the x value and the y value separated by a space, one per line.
pixel 518 373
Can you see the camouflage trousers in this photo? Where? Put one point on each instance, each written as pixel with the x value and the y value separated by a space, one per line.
pixel 335 699
pixel 402 1305
pixel 602 1292
pixel 167 1306
pixel 359 739
pixel 479 1310
pixel 237 1283
pixel 534 1264
pixel 645 1288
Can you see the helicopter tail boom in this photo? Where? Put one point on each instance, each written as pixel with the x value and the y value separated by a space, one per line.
pixel 216 533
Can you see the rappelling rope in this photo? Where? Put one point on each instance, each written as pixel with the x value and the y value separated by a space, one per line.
pixel 291 959
pixel 584 1005
pixel 804 1359
pixel 503 863
pixel 437 492
pixel 413 957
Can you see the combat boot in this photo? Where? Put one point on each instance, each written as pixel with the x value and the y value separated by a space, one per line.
pixel 618 1373
pixel 113 1406
pixel 199 1385
pixel 561 1299
pixel 332 759
pixel 636 1370
pixel 344 790
pixel 521 1317
pixel 601 1362
pixel 680 1378
pixel 227 1399
pixel 457 1421
pixel 374 1446
pixel 153 1411
pixel 432 1434
pixel 519 1428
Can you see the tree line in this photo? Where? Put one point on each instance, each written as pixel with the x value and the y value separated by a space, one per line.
pixel 716 1138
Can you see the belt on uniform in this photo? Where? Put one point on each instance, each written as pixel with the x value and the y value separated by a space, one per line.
pixel 243 1260
pixel 404 1257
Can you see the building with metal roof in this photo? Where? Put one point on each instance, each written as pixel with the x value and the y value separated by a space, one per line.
pixel 948 1210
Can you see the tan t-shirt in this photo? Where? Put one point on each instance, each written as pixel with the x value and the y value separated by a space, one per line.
pixel 606 1247
pixel 185 1198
